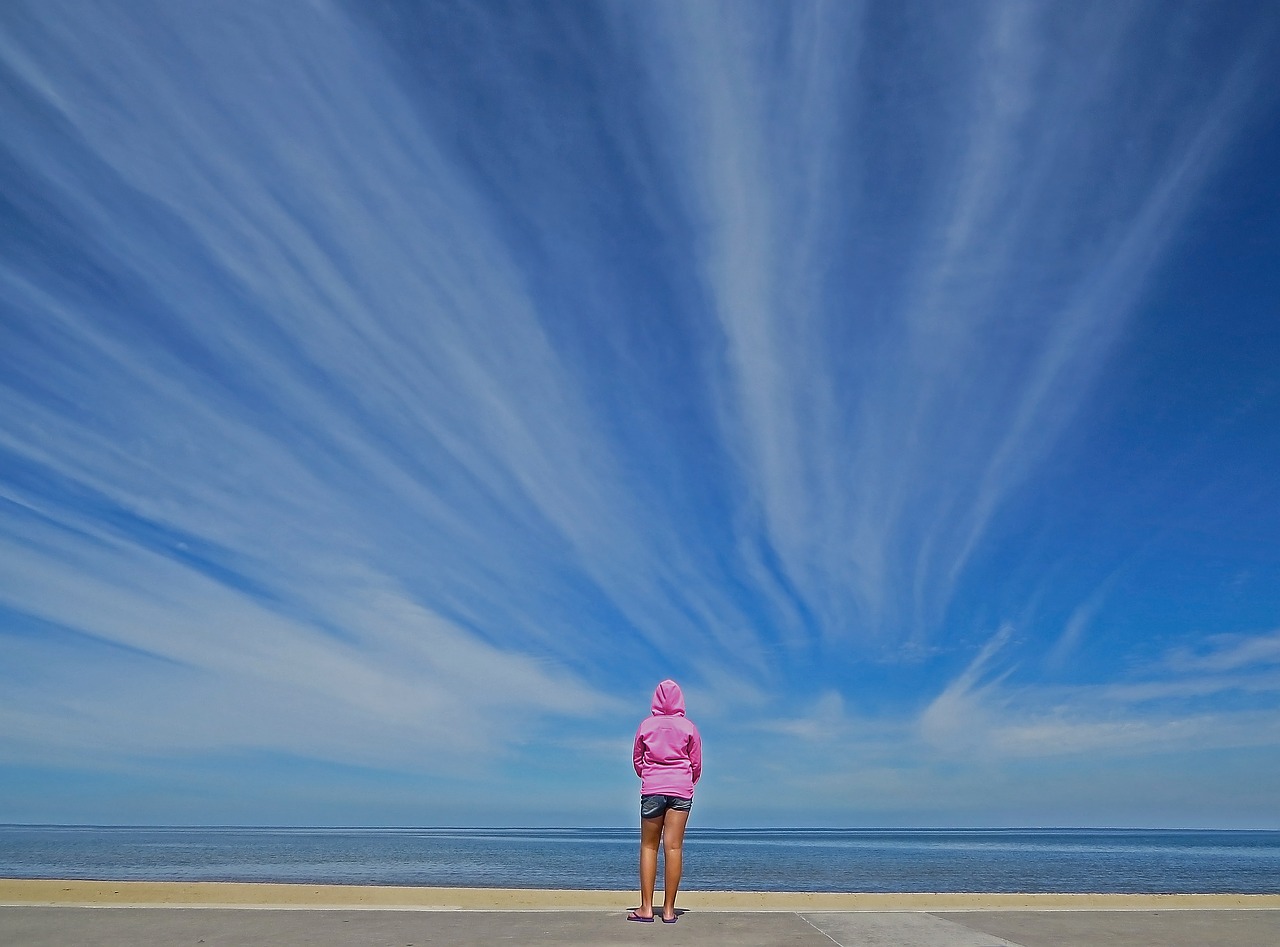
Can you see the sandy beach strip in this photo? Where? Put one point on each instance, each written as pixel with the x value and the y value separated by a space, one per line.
pixel 19 892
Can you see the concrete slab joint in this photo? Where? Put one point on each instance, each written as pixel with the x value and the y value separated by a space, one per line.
pixel 899 930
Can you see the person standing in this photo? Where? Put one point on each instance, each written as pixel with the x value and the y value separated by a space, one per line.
pixel 668 759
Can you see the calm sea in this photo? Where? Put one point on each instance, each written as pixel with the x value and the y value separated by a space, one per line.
pixel 1013 860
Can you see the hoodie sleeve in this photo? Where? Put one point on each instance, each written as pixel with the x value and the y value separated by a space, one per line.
pixel 695 754
pixel 637 753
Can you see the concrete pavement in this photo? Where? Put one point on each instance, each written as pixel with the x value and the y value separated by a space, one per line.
pixel 38 926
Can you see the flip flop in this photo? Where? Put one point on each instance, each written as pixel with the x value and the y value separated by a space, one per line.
pixel 672 921
pixel 633 916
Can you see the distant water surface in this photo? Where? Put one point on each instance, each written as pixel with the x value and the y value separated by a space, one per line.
pixel 1007 860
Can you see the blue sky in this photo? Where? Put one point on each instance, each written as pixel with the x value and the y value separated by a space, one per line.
pixel 391 394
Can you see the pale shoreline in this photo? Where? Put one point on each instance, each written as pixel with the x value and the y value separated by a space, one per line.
pixel 18 892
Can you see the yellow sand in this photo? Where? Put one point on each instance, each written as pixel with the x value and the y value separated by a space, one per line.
pixel 224 894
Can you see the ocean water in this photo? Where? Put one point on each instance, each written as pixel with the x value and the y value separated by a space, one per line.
pixel 1005 860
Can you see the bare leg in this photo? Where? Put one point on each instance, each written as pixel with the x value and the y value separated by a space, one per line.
pixel 650 838
pixel 673 848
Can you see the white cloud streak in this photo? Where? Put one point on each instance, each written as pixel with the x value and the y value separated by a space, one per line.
pixel 1228 653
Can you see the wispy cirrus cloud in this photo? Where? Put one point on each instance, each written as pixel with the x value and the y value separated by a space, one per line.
pixel 912 314
pixel 1222 653
pixel 294 396
pixel 1159 708
pixel 412 385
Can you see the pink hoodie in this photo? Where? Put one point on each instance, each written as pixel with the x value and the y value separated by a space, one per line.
pixel 668 749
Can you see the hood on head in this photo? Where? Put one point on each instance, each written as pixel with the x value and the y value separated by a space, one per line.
pixel 668 699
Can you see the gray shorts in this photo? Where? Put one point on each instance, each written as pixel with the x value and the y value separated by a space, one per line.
pixel 657 805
